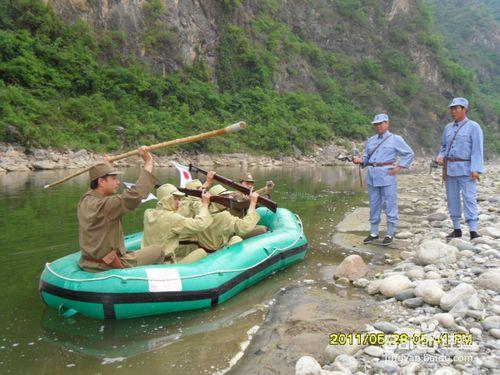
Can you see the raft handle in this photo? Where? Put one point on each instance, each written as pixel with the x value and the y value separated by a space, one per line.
pixel 66 312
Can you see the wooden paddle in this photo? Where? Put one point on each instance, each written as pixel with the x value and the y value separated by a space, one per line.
pixel 194 138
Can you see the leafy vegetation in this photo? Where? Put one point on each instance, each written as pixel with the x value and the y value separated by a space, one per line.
pixel 64 86
pixel 69 86
pixel 469 57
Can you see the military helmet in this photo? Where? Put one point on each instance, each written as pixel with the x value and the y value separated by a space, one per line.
pixel 102 169
pixel 219 190
pixel 194 184
pixel 166 190
pixel 247 178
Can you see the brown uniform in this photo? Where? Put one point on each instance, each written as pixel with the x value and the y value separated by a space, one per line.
pixel 101 232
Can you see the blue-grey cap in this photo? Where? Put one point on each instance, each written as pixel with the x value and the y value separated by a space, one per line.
pixel 381 117
pixel 459 101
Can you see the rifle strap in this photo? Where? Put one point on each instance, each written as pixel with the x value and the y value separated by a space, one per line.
pixel 445 161
pixel 376 148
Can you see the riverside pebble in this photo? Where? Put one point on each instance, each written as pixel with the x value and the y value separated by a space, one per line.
pixel 437 287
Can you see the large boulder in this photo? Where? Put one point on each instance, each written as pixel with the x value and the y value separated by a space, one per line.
pixel 490 231
pixel 307 365
pixel 446 320
pixel 432 295
pixel 461 292
pixel 421 285
pixel 333 351
pixel 437 216
pixel 353 267
pixel 392 285
pixel 490 280
pixel 491 322
pixel 43 165
pixel 373 287
pixel 16 167
pixel 434 252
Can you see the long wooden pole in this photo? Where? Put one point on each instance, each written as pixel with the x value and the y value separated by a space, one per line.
pixel 194 138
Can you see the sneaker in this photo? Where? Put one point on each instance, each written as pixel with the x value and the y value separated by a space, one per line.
pixel 370 238
pixel 474 234
pixel 386 241
pixel 457 233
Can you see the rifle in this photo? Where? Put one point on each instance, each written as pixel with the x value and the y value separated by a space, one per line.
pixel 433 165
pixel 225 201
pixel 350 159
pixel 243 189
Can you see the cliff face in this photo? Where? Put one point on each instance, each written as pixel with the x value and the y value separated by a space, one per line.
pixel 188 27
pixel 193 27
pixel 380 55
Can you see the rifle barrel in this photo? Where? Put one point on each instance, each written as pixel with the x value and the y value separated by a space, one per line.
pixel 225 201
pixel 226 181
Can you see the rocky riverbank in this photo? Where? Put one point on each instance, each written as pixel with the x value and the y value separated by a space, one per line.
pixel 17 158
pixel 439 303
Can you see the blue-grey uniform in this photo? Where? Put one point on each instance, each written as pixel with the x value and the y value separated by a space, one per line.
pixel 382 187
pixel 463 155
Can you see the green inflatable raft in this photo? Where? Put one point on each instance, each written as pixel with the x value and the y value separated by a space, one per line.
pixel 159 289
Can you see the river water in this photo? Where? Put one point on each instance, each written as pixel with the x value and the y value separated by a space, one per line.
pixel 39 225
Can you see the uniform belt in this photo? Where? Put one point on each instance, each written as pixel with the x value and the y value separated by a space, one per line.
pixel 380 164
pixel 112 259
pixel 447 160
pixel 456 159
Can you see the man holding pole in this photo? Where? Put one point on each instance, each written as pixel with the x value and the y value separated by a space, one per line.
pixel 381 152
pixel 461 155
pixel 99 214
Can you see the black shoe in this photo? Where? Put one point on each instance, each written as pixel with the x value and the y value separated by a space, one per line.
pixel 474 234
pixel 370 238
pixel 457 233
pixel 386 241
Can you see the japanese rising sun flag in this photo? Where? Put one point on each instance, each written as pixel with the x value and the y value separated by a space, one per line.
pixel 184 173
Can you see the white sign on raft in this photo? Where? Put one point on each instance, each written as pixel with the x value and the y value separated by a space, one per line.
pixel 164 280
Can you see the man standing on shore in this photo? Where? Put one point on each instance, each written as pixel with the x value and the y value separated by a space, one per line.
pixel 381 152
pixel 461 155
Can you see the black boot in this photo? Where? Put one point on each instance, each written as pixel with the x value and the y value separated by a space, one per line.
pixel 474 234
pixel 370 238
pixel 386 241
pixel 457 233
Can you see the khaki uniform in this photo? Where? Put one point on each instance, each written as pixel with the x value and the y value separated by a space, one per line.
pixel 240 197
pixel 164 226
pixel 227 229
pixel 190 206
pixel 101 232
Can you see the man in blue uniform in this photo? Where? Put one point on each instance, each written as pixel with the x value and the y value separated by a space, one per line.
pixel 381 152
pixel 461 155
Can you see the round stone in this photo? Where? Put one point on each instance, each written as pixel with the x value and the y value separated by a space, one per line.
pixel 374 351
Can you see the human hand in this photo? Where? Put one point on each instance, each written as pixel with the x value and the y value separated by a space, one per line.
pixel 253 199
pixel 210 177
pixel 148 159
pixel 357 160
pixel 144 154
pixel 474 176
pixel 205 198
pixel 109 160
pixel 440 160
pixel 394 171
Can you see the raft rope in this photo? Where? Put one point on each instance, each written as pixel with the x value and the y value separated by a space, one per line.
pixel 126 278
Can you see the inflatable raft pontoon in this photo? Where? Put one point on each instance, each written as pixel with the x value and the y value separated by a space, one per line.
pixel 158 289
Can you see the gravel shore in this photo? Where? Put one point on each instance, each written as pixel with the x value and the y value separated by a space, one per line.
pixel 17 158
pixel 440 301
